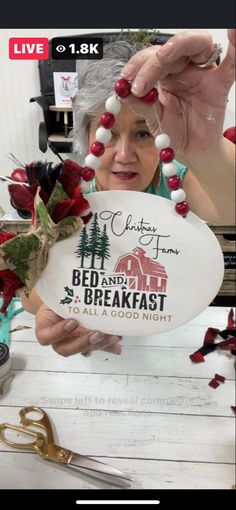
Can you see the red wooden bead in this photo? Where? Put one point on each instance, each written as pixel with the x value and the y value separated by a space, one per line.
pixel 151 96
pixel 122 88
pixel 167 155
pixel 107 120
pixel 230 134
pixel 97 149
pixel 174 182
pixel 88 173
pixel 182 208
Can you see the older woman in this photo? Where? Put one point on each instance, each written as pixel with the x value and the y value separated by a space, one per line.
pixel 190 108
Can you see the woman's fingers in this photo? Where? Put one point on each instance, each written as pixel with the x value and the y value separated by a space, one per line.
pixel 68 337
pixel 110 342
pixel 231 32
pixel 49 333
pixel 226 70
pixel 157 62
pixel 114 349
pixel 51 328
pixel 96 340
pixel 144 71
pixel 136 62
pixel 195 44
pixel 70 346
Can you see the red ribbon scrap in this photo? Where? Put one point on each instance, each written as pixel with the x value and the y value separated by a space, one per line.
pixel 228 343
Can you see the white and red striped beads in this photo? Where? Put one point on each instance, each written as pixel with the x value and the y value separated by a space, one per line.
pixel 103 135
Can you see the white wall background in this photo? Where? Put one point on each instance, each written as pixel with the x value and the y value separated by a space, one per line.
pixel 19 119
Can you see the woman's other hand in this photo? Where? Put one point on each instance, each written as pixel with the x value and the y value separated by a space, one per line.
pixel 67 337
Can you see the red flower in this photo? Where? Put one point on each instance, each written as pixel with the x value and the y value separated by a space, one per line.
pixel 43 176
pixel 74 206
pixel 61 210
pixel 9 281
pixel 70 176
pixel 80 204
pixel 4 236
pixel 23 197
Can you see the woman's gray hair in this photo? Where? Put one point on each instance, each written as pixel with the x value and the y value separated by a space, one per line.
pixel 96 80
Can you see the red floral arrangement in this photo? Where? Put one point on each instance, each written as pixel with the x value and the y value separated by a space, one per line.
pixel 45 175
pixel 52 195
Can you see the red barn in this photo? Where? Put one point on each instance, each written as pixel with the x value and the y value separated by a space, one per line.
pixel 142 272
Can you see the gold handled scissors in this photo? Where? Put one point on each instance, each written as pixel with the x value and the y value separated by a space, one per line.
pixel 45 446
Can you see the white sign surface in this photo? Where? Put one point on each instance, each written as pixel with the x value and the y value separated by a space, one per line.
pixel 136 268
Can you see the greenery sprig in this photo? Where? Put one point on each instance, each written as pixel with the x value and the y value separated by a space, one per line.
pixel 139 37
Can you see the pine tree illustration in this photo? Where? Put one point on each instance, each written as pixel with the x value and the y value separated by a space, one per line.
pixel 94 240
pixel 103 252
pixel 82 246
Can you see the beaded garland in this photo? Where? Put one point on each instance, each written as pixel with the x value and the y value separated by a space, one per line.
pixel 103 135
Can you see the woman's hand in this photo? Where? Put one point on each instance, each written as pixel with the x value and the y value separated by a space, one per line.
pixel 192 100
pixel 67 337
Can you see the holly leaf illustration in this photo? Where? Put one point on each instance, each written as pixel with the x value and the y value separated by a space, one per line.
pixel 69 291
pixel 66 301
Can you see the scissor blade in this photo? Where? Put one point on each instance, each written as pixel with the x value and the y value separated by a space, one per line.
pixel 98 469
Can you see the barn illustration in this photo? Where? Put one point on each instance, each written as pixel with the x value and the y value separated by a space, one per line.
pixel 142 273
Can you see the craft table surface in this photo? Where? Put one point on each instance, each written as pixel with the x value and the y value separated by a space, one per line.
pixel 148 412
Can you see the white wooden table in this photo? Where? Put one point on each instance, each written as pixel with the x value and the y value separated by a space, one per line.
pixel 148 412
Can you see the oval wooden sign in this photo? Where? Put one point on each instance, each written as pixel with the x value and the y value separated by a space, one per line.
pixel 136 268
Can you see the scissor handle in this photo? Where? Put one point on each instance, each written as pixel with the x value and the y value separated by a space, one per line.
pixel 43 422
pixel 39 440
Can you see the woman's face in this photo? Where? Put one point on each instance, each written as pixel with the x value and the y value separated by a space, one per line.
pixel 130 159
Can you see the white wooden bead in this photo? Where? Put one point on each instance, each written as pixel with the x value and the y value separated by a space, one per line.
pixel 103 135
pixel 162 141
pixel 92 161
pixel 169 169
pixel 113 105
pixel 178 195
